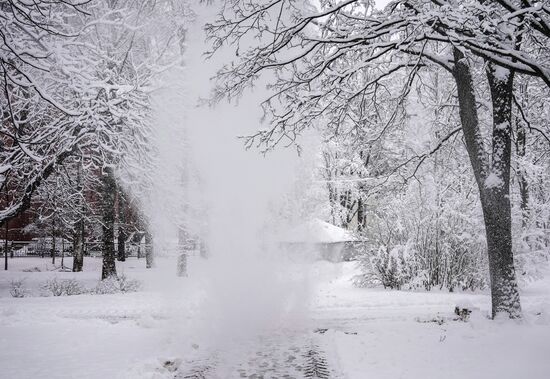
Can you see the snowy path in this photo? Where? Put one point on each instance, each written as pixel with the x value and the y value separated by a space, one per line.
pixel 280 355
pixel 348 333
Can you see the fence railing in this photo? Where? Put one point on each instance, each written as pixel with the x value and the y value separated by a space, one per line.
pixel 44 248
pixel 92 249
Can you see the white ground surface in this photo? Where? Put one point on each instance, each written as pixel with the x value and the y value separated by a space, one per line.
pixel 370 333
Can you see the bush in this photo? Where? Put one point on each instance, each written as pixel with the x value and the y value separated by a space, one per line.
pixel 128 285
pixel 117 284
pixel 413 266
pixel 73 287
pixel 65 287
pixel 389 268
pixel 426 234
pixel 17 288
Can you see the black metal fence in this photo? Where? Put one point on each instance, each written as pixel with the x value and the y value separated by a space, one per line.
pixel 64 248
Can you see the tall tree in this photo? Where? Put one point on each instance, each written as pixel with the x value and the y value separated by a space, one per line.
pixel 108 223
pixel 149 249
pixel 330 63
pixel 121 238
pixel 76 79
pixel 78 234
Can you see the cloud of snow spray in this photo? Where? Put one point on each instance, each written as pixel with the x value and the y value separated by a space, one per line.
pixel 247 285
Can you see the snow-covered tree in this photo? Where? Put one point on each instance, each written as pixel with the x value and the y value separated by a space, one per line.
pixel 77 80
pixel 330 60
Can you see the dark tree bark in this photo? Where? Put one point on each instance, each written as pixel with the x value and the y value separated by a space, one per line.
pixel 121 246
pixel 6 245
pixel 149 253
pixel 361 215
pixel 78 248
pixel 468 117
pixel 62 254
pixel 521 144
pixel 521 140
pixel 108 227
pixel 493 178
pixel 497 210
pixel 53 243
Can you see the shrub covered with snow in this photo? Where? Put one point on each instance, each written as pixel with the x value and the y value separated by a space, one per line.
pixel 452 263
pixel 17 288
pixel 117 284
pixel 388 268
pixel 63 287
pixel 427 233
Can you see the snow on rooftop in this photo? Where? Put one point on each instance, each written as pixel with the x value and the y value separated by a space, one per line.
pixel 316 231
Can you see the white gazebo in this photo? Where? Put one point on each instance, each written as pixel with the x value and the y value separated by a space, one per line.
pixel 317 239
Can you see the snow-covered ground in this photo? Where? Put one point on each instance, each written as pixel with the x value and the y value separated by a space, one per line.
pixel 166 331
pixel 398 338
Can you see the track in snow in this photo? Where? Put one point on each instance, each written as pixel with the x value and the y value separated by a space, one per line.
pixel 316 364
pixel 293 357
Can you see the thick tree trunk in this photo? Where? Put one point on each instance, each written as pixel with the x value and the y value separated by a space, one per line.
pixel 62 254
pixel 121 239
pixel 149 253
pixel 53 244
pixel 493 179
pixel 108 227
pixel 78 246
pixel 121 248
pixel 78 249
pixel 497 208
pixel 504 290
pixel 468 117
